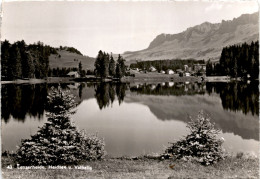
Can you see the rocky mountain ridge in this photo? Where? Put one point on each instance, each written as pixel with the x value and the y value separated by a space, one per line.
pixel 203 41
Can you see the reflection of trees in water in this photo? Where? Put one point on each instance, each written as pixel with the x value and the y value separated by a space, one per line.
pixel 237 96
pixel 175 89
pixel 105 93
pixel 19 100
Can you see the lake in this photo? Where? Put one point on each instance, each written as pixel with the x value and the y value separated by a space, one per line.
pixel 136 118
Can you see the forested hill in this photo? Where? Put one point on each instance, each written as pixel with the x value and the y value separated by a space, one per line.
pixel 237 61
pixel 19 60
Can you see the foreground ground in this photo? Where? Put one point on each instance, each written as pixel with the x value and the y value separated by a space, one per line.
pixel 232 167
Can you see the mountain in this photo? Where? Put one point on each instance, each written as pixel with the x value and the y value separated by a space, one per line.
pixel 203 41
pixel 67 59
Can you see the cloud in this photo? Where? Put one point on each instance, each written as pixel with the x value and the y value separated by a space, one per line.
pixel 214 6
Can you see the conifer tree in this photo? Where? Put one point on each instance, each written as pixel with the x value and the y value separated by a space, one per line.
pixel 112 66
pixel 120 67
pixel 59 142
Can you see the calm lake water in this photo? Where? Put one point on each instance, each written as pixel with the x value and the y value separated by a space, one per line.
pixel 136 119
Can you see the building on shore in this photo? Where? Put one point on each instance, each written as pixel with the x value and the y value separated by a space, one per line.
pixel 73 74
pixel 152 69
pixel 170 72
pixel 162 71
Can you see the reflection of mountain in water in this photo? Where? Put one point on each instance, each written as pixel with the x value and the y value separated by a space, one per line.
pixel 166 100
pixel 179 108
pixel 178 104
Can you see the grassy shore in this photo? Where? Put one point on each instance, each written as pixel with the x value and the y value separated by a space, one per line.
pixel 142 167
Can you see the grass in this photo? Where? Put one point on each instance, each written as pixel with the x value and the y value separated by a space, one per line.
pixel 142 167
pixel 67 60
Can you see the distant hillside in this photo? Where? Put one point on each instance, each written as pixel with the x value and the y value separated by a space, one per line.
pixel 203 41
pixel 68 59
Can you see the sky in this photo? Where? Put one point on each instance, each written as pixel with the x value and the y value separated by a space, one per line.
pixel 111 26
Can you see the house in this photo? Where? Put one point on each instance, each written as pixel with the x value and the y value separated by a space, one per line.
pixel 152 69
pixel 170 72
pixel 171 84
pixel 187 74
pixel 162 71
pixel 73 74
pixel 153 87
pixel 186 67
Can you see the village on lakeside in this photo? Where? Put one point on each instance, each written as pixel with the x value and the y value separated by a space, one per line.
pixel 197 73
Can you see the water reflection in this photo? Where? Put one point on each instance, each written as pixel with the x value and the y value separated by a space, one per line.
pixel 145 111
pixel 105 93
pixel 237 96
pixel 21 100
pixel 170 88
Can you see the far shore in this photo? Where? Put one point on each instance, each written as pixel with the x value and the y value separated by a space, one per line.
pixel 141 78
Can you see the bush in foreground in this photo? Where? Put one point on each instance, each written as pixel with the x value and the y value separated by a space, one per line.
pixel 59 142
pixel 201 145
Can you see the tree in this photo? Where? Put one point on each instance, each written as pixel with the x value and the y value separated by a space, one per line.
pixel 80 70
pixel 28 66
pixel 120 67
pixel 5 55
pixel 98 63
pixel 201 145
pixel 14 63
pixel 105 66
pixel 102 64
pixel 59 142
pixel 209 69
pixel 112 66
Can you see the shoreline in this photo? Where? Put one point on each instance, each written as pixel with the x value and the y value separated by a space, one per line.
pixel 143 78
pixel 123 80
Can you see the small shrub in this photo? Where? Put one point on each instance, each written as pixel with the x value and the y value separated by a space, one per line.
pixel 200 145
pixel 59 142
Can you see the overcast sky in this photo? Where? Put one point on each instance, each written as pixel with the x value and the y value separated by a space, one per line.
pixel 110 26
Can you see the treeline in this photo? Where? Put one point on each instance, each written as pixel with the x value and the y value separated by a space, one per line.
pixel 70 49
pixel 19 60
pixel 166 64
pixel 237 61
pixel 60 72
pixel 106 66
